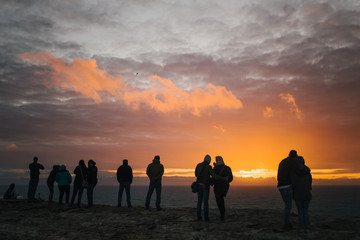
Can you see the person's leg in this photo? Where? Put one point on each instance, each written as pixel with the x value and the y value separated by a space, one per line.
pixel 121 190
pixel 128 197
pixel 67 194
pixel 300 208
pixel 221 205
pixel 36 182
pixel 200 194
pixel 287 194
pixel 61 190
pixel 148 195
pixel 51 190
pixel 206 203
pixel 81 190
pixel 158 195
pixel 90 191
pixel 75 190
pixel 306 214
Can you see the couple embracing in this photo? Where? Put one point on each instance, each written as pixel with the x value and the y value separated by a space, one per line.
pixel 220 176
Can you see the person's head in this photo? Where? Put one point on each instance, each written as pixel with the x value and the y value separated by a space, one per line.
pixel 207 158
pixel 62 167
pixel 12 186
pixel 56 167
pixel 35 159
pixel 219 160
pixel 125 162
pixel 91 163
pixel 81 163
pixel 292 154
pixel 157 157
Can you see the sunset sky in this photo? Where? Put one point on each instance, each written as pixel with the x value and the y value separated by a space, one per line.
pixel 247 80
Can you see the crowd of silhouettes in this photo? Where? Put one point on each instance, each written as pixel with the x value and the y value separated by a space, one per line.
pixel 294 183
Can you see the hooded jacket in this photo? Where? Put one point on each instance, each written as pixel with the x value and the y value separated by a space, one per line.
pixel 155 170
pixel 221 187
pixel 124 173
pixel 63 177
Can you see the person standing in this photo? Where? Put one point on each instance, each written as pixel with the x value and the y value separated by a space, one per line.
pixel 286 167
pixel 302 193
pixel 92 181
pixel 221 187
pixel 124 176
pixel 34 177
pixel 80 178
pixel 51 180
pixel 64 179
pixel 155 171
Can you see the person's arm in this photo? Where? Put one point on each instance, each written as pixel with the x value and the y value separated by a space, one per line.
pixel 118 174
pixel 215 176
pixel 69 178
pixel 131 175
pixel 41 166
pixel 148 171
pixel 230 175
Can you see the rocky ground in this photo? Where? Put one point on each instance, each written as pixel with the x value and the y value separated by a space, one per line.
pixel 40 220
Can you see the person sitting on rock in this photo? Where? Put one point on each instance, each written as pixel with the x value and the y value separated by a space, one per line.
pixel 10 193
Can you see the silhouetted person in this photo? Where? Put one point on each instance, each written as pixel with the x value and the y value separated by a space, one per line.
pixel 80 177
pixel 286 167
pixel 221 187
pixel 64 179
pixel 302 193
pixel 51 180
pixel 92 181
pixel 124 176
pixel 155 170
pixel 10 192
pixel 34 177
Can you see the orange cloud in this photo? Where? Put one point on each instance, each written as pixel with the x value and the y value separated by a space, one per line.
pixel 84 77
pixel 268 112
pixel 12 146
pixel 294 108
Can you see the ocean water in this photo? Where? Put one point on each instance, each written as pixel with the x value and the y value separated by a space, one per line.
pixel 337 201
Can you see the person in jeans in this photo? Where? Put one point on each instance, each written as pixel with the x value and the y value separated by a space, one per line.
pixel 34 177
pixel 92 181
pixel 204 173
pixel 286 167
pixel 221 187
pixel 155 171
pixel 80 176
pixel 124 176
pixel 64 179
pixel 302 193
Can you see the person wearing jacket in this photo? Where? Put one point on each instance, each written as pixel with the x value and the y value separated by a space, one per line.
pixel 80 176
pixel 302 193
pixel 34 177
pixel 51 180
pixel 286 167
pixel 92 181
pixel 154 171
pixel 221 187
pixel 124 176
pixel 204 174
pixel 10 192
pixel 63 179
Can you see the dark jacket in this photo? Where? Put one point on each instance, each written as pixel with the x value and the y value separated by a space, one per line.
pixel 80 175
pixel 52 177
pixel 35 169
pixel 10 194
pixel 124 174
pixel 155 170
pixel 203 173
pixel 302 185
pixel 286 167
pixel 92 175
pixel 221 187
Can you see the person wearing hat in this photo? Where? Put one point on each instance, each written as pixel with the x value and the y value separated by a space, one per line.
pixel 124 176
pixel 92 181
pixel 221 187
pixel 64 179
pixel 155 171
pixel 204 174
